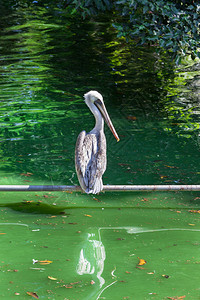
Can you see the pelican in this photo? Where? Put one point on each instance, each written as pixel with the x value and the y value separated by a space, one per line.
pixel 90 152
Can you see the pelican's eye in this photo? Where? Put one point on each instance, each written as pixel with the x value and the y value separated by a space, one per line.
pixel 98 102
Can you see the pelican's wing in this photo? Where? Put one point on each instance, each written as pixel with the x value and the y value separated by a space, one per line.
pixel 90 159
pixel 80 159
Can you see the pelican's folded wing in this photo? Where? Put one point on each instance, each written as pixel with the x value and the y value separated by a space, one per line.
pixel 90 159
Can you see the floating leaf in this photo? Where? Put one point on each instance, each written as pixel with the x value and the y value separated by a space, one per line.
pixel 141 268
pixel 133 118
pixel 171 167
pixel 194 211
pixel 45 262
pixel 52 278
pixel 176 298
pixel 165 276
pixel 141 262
pixel 2 233
pixel 70 285
pixel 88 216
pixel 34 295
pixel 96 199
pixel 26 174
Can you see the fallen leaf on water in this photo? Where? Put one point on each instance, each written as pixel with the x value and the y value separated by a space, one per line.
pixel 88 216
pixel 26 174
pixel 127 272
pixel 194 211
pixel 70 285
pixel 76 282
pixel 176 297
pixel 34 295
pixel 144 199
pixel 52 278
pixel 165 276
pixel 45 262
pixel 141 262
pixel 191 224
pixel 96 199
pixel 131 118
pixel 171 167
pixel 2 233
pixel 151 273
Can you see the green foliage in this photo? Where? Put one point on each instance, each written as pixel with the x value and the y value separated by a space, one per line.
pixel 170 25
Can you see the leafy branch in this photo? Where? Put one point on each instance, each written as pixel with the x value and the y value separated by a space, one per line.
pixel 169 25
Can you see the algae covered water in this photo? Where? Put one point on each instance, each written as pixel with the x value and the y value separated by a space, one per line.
pixel 60 245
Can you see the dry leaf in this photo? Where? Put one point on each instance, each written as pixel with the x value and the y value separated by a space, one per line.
pixel 171 167
pixel 141 262
pixel 141 268
pixel 34 295
pixel 96 199
pixel 165 276
pixel 45 262
pixel 176 297
pixel 26 174
pixel 52 278
pixel 2 233
pixel 88 216
pixel 76 282
pixel 131 118
pixel 195 211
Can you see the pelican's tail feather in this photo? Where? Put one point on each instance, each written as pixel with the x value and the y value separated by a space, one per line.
pixel 96 188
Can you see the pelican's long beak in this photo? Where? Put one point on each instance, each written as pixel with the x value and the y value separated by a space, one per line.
pixel 100 105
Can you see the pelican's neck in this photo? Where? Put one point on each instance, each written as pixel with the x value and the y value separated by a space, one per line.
pixel 98 117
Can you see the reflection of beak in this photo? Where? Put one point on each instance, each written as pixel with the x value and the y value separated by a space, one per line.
pixel 100 105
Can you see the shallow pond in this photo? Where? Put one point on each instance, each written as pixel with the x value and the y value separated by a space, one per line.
pixel 119 245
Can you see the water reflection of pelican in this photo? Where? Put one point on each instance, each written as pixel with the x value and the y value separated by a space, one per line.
pixel 90 153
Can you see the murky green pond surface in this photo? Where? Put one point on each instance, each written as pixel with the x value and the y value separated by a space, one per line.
pixel 62 245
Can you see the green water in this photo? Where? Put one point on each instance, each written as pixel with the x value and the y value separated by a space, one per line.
pixel 48 61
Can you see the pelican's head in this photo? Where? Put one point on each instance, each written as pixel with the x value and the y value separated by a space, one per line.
pixel 95 98
pixel 92 96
